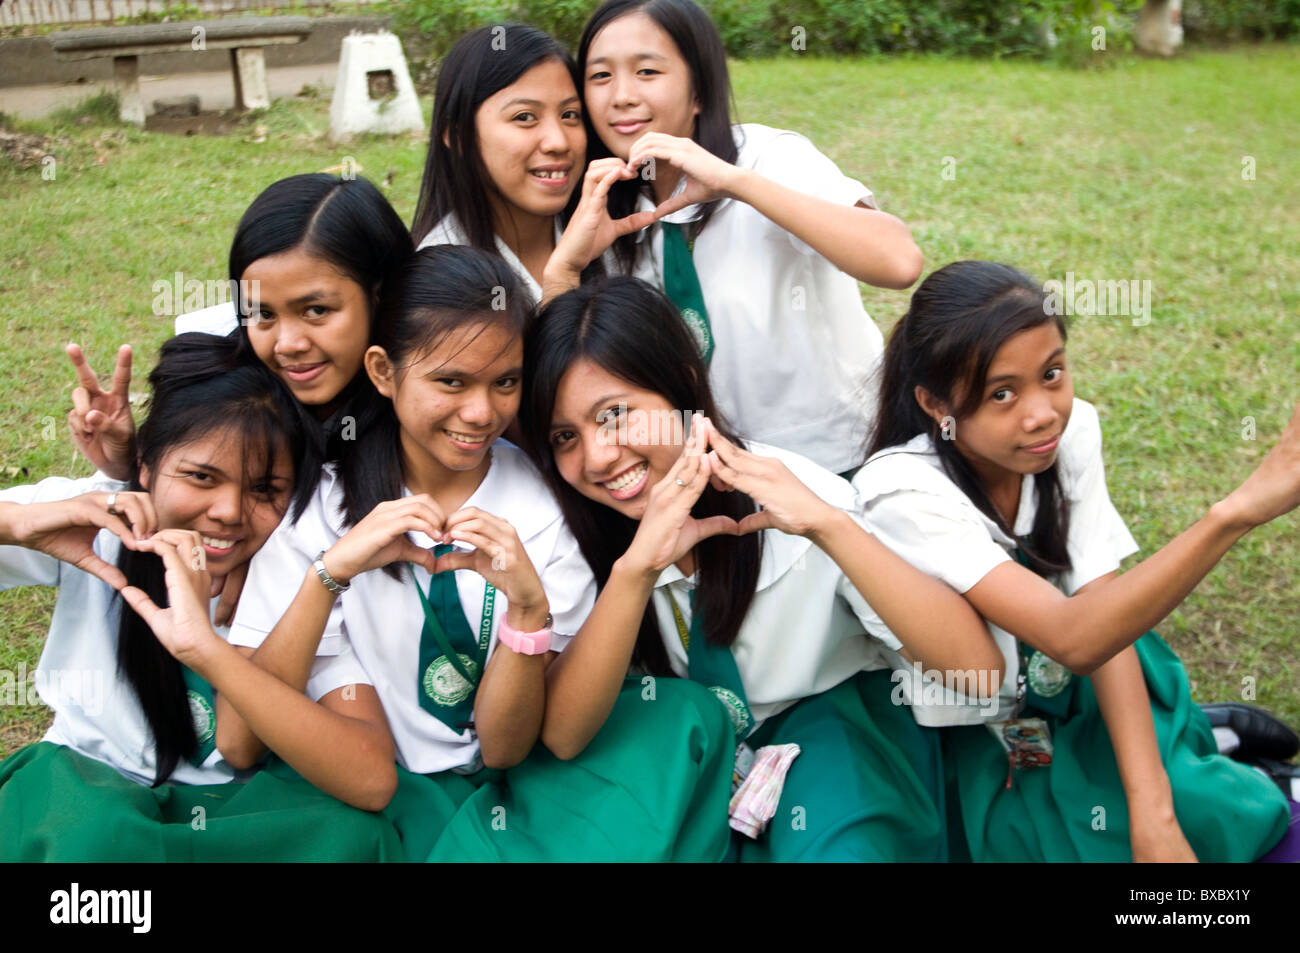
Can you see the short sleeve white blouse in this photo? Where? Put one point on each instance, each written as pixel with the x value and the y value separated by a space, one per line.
pixel 912 506
pixel 381 618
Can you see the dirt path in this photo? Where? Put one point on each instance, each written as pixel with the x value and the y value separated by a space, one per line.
pixel 215 89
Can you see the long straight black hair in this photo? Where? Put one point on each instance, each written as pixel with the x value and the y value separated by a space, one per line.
pixel 957 320
pixel 456 182
pixel 201 385
pixel 700 45
pixel 629 329
pixel 346 222
pixel 439 290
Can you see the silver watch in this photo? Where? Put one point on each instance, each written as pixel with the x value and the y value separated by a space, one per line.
pixel 326 579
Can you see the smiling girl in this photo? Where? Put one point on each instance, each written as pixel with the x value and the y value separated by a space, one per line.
pixel 436 551
pixel 742 569
pixel 507 148
pixel 987 473
pixel 763 239
pixel 134 766
pixel 307 262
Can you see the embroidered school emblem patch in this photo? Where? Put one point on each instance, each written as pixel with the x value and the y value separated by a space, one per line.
pixel 204 718
pixel 444 684
pixel 1047 677
pixel 695 322
pixel 737 709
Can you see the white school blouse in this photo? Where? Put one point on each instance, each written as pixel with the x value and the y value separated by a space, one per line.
pixel 96 713
pixel 382 619
pixel 795 353
pixel 913 507
pixel 448 231
pixel 805 631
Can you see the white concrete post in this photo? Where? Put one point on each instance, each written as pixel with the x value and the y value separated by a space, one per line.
pixel 249 68
pixel 126 73
pixel 1160 27
pixel 353 110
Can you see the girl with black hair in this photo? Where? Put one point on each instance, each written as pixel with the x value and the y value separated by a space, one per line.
pixel 133 767
pixel 739 567
pixel 306 265
pixel 507 147
pixel 986 471
pixel 436 551
pixel 762 241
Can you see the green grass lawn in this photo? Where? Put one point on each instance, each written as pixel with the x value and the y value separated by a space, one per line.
pixel 1129 173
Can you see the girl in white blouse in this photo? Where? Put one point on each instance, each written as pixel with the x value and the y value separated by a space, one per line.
pixel 743 569
pixel 134 766
pixel 987 473
pixel 507 151
pixel 763 239
pixel 436 552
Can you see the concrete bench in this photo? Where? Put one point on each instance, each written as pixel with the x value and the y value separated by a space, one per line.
pixel 244 38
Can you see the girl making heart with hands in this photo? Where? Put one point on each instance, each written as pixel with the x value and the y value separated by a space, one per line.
pixel 436 552
pixel 761 239
pixel 763 607
pixel 507 152
pixel 142 734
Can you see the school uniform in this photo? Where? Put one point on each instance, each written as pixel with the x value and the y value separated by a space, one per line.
pixel 794 351
pixel 1227 810
pixel 448 231
pixel 85 791
pixel 615 801
pixel 867 784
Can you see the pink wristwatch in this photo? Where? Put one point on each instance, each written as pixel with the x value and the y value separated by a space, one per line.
pixel 525 643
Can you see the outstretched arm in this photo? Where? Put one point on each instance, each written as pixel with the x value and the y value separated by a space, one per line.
pixel 1085 630
pixel 870 245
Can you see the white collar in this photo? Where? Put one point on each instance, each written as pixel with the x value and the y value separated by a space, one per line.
pixel 922 445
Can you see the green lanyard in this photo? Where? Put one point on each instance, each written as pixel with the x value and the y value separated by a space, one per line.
pixel 448 676
pixel 682 286
pixel 204 714
pixel 714 666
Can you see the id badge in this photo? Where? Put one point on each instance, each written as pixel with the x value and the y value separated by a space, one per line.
pixel 744 764
pixel 1027 741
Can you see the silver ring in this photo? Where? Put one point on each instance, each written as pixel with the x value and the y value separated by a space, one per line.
pixel 112 505
pixel 679 481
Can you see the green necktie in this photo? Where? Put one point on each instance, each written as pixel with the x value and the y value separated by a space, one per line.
pixel 682 285
pixel 451 662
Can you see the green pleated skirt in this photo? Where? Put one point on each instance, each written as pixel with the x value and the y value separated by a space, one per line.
pixel 866 786
pixel 58 805
pixel 653 785
pixel 1075 809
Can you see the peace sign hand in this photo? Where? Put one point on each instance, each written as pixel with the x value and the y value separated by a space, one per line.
pixel 786 503
pixel 667 531
pixel 100 420
pixel 1274 488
